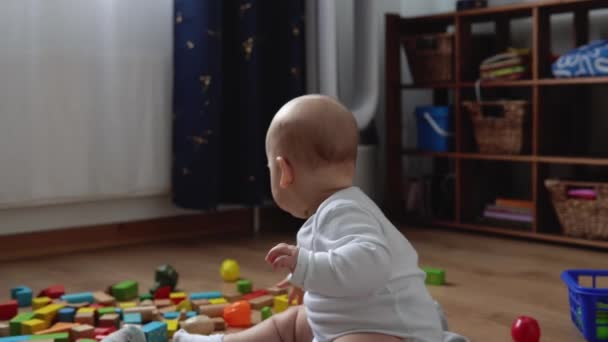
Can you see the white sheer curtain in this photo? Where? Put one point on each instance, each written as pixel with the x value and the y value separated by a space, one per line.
pixel 85 99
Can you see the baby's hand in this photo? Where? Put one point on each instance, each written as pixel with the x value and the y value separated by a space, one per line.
pixel 295 292
pixel 283 255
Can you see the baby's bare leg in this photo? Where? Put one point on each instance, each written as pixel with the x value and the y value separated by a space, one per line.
pixel 368 337
pixel 288 326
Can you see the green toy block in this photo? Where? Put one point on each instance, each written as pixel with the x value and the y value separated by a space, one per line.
pixel 434 276
pixel 15 323
pixel 165 275
pixel 125 290
pixel 59 337
pixel 145 296
pixel 266 312
pixel 106 310
pixel 244 286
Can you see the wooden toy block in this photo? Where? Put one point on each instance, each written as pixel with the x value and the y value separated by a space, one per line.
pixel 185 305
pixel 5 329
pixel 147 312
pixel 155 331
pixel 23 295
pixel 172 326
pixel 14 338
pixel 103 331
pixel 85 318
pixel 434 276
pixel 277 291
pixel 55 337
pixel 177 297
pixel 86 340
pixel 233 296
pixel 200 325
pixel 81 297
pixel 244 286
pixel 54 292
pixel 132 318
pixel 254 294
pixel 125 305
pixel 66 314
pixel 162 292
pixel 161 303
pixel 32 326
pixel 218 324
pixel 171 315
pixel 15 323
pixel 104 298
pixel 205 295
pixel 39 302
pixel 48 313
pixel 86 309
pixel 125 290
pixel 168 309
pixel 75 305
pixel 281 303
pixel 198 302
pixel 146 302
pixel 218 301
pixel 145 296
pixel 238 314
pixel 259 302
pixel 106 310
pixel 256 317
pixel 212 310
pixel 266 312
pixel 191 314
pixel 57 328
pixel 109 320
pixel 8 310
pixel 82 331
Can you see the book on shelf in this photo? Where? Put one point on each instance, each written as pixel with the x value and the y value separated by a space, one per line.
pixel 504 209
pixel 526 218
pixel 506 202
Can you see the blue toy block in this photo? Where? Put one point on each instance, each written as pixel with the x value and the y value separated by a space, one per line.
pixel 82 297
pixel 191 314
pixel 66 315
pixel 171 315
pixel 156 331
pixel 23 295
pixel 132 318
pixel 205 295
pixel 15 338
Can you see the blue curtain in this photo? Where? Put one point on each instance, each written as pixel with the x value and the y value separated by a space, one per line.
pixel 236 63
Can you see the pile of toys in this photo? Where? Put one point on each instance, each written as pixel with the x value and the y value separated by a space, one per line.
pixel 54 315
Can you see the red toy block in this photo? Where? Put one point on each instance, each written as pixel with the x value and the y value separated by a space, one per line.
pixel 255 294
pixel 238 314
pixel 100 337
pixel 163 292
pixel 8 310
pixel 103 331
pixel 55 291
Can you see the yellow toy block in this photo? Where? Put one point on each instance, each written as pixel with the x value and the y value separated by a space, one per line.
pixel 177 295
pixel 281 303
pixel 218 301
pixel 172 325
pixel 86 309
pixel 32 326
pixel 184 305
pixel 40 302
pixel 126 305
pixel 48 313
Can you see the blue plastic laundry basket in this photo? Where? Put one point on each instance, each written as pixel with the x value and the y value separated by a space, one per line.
pixel 588 305
pixel 434 125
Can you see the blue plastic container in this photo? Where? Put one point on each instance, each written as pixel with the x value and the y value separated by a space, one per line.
pixel 434 125
pixel 588 305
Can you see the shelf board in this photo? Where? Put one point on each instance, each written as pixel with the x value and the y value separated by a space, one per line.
pixel 565 160
pixel 593 161
pixel 572 81
pixel 438 85
pixel 500 83
pixel 521 234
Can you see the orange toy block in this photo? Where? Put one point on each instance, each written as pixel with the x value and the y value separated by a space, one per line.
pixel 238 314
pixel 58 327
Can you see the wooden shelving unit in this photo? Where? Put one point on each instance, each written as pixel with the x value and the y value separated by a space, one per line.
pixel 553 105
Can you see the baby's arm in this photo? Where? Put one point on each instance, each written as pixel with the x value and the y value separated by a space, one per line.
pixel 358 265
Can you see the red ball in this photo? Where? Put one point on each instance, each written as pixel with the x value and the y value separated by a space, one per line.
pixel 525 329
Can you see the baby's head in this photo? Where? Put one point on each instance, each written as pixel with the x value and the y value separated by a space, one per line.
pixel 311 147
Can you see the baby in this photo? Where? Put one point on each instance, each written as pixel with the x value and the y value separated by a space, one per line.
pixel 359 275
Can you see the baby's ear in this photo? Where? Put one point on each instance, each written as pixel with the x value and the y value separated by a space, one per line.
pixel 287 175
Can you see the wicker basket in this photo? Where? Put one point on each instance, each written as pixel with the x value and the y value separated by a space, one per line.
pixel 580 217
pixel 502 134
pixel 431 57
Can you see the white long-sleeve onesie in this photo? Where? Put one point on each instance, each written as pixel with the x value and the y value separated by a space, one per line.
pixel 360 274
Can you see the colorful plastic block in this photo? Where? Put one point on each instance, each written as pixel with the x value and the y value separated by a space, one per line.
pixel 266 312
pixel 177 297
pixel 86 309
pixel 171 315
pixel 281 303
pixel 125 305
pixel 255 294
pixel 205 295
pixel 15 323
pixel 23 295
pixel 185 305
pixel 48 313
pixel 156 331
pixel 244 286
pixel 40 302
pixel 32 326
pixel 19 338
pixel 55 291
pixel 218 301
pixel 191 314
pixel 434 276
pixel 125 290
pixel 162 292
pixel 82 297
pixel 106 310
pixel 8 310
pixel 66 314
pixel 172 326
pixel 238 314
pixel 132 318
pixel 56 337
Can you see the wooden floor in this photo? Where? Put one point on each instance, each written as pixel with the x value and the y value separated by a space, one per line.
pixel 491 280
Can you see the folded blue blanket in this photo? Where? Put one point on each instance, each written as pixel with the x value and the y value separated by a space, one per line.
pixel 586 60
